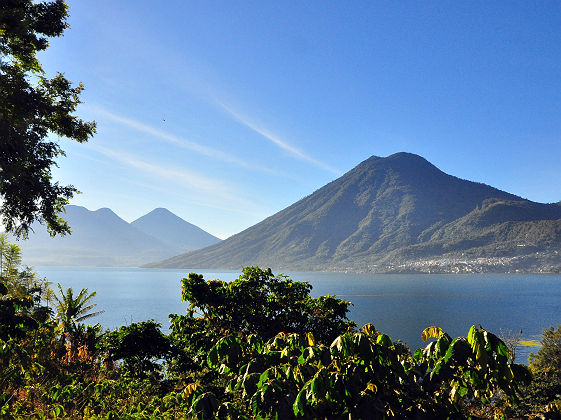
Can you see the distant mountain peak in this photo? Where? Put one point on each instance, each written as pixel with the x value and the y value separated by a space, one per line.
pixel 104 211
pixel 159 213
pixel 401 161
pixel 172 229
pixel 408 159
pixel 160 210
pixel 102 238
pixel 405 155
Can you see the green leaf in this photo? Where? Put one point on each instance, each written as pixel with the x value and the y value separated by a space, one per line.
pixel 250 382
pixel 502 349
pixel 369 329
pixel 442 345
pixel 478 342
pixel 458 352
pixel 318 386
pixel 471 333
pixel 384 340
pixel 256 342
pixel 212 358
pixel 300 403
pixel 205 406
pixel 429 332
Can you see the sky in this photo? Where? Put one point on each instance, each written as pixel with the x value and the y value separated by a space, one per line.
pixel 225 112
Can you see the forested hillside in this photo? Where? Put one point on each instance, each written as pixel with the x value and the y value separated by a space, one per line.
pixel 388 213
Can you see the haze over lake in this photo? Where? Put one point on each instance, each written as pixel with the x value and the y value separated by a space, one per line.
pixel 399 305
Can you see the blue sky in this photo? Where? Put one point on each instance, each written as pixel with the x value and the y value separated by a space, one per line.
pixel 227 112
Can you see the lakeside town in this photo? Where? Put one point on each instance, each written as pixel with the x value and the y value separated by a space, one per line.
pixel 538 262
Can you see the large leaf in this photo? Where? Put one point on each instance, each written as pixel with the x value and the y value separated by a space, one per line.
pixel 342 346
pixel 442 345
pixel 478 343
pixel 204 406
pixel 503 350
pixel 369 329
pixel 311 339
pixel 250 382
pixel 458 352
pixel 226 351
pixel 300 403
pixel 212 358
pixel 431 332
pixel 384 340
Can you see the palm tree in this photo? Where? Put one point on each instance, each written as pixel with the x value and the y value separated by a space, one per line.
pixel 10 257
pixel 71 310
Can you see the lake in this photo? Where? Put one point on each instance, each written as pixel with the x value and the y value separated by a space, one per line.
pixel 398 305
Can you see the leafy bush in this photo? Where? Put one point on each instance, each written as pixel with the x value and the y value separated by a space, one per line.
pixel 258 302
pixel 139 346
pixel 548 358
pixel 544 392
pixel 360 374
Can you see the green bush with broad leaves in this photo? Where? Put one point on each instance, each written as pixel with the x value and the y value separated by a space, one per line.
pixel 258 302
pixel 137 346
pixel 358 375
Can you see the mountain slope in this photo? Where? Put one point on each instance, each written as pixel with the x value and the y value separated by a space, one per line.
pixel 101 238
pixel 173 231
pixel 385 210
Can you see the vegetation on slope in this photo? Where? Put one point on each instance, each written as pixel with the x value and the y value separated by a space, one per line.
pixel 384 212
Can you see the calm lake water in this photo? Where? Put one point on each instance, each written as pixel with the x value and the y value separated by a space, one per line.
pixel 399 305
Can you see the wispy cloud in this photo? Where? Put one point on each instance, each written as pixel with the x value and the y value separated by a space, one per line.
pixel 217 192
pixel 275 139
pixel 180 141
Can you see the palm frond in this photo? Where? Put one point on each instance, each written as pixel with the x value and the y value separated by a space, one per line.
pixel 87 316
pixel 71 309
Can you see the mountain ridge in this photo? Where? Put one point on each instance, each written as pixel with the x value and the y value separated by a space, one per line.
pixel 382 213
pixel 101 238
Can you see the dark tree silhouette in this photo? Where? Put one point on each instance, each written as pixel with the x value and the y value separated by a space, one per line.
pixel 32 109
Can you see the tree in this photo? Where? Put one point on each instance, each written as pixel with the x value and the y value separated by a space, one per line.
pixel 20 294
pixel 71 310
pixel 11 260
pixel 260 302
pixel 544 392
pixel 32 109
pixel 139 345
pixel 549 355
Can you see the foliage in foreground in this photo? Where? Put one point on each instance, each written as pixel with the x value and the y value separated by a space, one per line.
pixel 33 108
pixel 233 360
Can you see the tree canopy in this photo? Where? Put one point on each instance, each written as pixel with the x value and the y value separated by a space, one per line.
pixel 34 109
